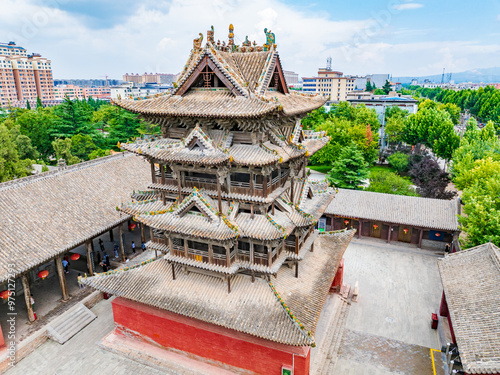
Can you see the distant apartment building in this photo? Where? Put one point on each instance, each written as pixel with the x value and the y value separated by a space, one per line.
pixel 381 102
pixel 78 92
pixel 291 78
pixel 132 90
pixel 88 82
pixel 24 77
pixel 329 82
pixel 159 78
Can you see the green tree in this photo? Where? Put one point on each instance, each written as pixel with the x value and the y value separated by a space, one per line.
pixel 37 125
pixel 453 110
pixel 350 171
pixel 379 92
pixel 82 146
pixel 390 183
pixel 368 86
pixel 10 164
pixel 399 162
pixel 481 219
pixel 28 106
pixel 483 169
pixel 387 87
pixel 74 117
pixel 62 149
pixel 38 103
pixel 25 149
pixel 395 128
pixel 99 153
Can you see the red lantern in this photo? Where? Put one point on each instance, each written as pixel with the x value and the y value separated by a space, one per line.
pixel 346 222
pixel 375 226
pixel 5 294
pixel 405 230
pixel 131 226
pixel 75 256
pixel 43 274
pixel 438 234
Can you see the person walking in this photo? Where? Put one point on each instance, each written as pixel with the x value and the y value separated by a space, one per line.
pixel 32 301
pixel 116 250
pixel 101 245
pixel 143 246
pixel 133 247
pixel 106 260
pixel 65 264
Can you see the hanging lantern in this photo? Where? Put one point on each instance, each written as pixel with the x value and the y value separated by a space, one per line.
pixel 405 230
pixel 43 274
pixel 5 294
pixel 75 256
pixel 375 226
pixel 346 222
pixel 132 226
pixel 438 234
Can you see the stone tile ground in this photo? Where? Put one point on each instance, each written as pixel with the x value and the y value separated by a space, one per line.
pixel 388 329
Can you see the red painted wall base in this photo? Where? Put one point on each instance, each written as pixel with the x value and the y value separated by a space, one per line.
pixel 209 341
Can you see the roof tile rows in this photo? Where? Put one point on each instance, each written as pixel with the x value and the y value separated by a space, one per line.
pixel 46 215
pixel 251 308
pixel 420 212
pixel 471 282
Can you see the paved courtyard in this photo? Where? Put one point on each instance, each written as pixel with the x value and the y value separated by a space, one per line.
pixel 388 330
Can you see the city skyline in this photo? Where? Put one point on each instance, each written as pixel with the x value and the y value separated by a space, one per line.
pixel 89 39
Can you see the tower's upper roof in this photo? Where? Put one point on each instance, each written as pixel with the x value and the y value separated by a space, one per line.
pixel 249 83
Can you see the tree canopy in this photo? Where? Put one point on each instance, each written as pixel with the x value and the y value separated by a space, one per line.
pixel 350 170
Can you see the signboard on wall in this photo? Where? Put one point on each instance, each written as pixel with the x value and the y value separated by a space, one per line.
pixel 286 371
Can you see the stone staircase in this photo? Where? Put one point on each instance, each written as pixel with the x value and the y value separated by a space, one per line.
pixel 330 344
pixel 70 323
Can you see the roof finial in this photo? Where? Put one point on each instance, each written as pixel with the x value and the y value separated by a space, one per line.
pixel 231 37
pixel 210 35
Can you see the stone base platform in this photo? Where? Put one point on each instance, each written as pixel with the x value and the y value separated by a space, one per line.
pixel 147 353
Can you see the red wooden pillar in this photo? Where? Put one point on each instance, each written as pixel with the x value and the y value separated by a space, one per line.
pixel 339 278
pixel 420 236
pixel 443 309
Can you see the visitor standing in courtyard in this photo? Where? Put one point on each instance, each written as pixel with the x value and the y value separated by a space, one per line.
pixel 101 245
pixel 133 247
pixel 116 250
pixel 143 246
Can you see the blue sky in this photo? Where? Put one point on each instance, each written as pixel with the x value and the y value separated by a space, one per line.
pixel 92 38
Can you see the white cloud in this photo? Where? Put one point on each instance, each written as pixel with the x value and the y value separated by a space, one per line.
pixel 158 39
pixel 408 6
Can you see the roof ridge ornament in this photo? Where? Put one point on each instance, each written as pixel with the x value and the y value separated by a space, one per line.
pixel 197 42
pixel 270 40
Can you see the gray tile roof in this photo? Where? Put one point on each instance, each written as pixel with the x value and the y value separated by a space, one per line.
pixel 47 214
pixel 252 308
pixel 471 282
pixel 420 212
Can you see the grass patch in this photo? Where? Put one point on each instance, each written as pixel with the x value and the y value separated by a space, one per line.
pixel 381 168
pixel 320 168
